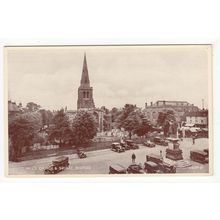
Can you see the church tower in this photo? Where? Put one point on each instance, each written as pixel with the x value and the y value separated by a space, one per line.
pixel 85 92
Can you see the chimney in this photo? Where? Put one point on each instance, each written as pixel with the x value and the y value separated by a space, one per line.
pixel 145 104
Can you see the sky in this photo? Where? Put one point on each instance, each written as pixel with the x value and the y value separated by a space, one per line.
pixel 50 76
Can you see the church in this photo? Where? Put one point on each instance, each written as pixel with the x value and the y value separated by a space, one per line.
pixel 85 92
pixel 85 101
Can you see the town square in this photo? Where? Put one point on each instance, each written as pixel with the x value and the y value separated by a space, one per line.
pixel 166 131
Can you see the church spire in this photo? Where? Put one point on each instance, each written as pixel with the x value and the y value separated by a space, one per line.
pixel 85 92
pixel 85 74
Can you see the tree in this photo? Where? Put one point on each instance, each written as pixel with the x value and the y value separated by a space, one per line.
pixel 34 118
pixel 168 121
pixel 132 123
pixel 107 119
pixel 60 131
pixel 115 112
pixel 84 128
pixel 46 117
pixel 143 128
pixel 120 121
pixel 21 133
pixel 161 118
pixel 31 106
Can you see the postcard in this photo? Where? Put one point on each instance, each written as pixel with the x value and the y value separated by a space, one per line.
pixel 131 110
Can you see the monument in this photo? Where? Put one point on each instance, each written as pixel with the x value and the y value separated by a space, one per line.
pixel 174 153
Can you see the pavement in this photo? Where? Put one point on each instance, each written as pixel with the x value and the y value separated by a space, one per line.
pixel 98 162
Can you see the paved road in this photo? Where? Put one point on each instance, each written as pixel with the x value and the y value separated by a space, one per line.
pixel 98 162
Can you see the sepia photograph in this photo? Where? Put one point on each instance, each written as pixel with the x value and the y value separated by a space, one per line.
pixel 103 110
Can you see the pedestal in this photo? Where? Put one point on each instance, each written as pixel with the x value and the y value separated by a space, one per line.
pixel 175 153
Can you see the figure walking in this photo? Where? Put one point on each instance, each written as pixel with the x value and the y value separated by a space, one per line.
pixel 133 157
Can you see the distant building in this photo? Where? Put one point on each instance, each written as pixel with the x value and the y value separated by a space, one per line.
pixel 71 114
pixel 13 108
pixel 178 107
pixel 198 118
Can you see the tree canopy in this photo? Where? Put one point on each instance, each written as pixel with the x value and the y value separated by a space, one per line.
pixel 133 120
pixel 84 127
pixel 168 121
pixel 21 133
pixel 60 130
pixel 31 106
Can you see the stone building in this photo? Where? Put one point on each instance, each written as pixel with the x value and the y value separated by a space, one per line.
pixel 85 100
pixel 198 118
pixel 13 108
pixel 178 107
pixel 85 92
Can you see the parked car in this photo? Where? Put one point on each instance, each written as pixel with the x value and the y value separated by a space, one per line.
pixel 206 151
pixel 81 153
pixel 149 144
pixel 162 166
pixel 199 156
pixel 131 144
pixel 57 165
pixel 117 147
pixel 154 158
pixel 124 145
pixel 160 141
pixel 117 169
pixel 167 168
pixel 135 168
pixel 151 167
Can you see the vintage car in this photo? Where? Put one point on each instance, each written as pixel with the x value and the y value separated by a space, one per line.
pixel 149 144
pixel 154 158
pixel 160 141
pixel 135 168
pixel 199 156
pixel 131 144
pixel 151 167
pixel 124 145
pixel 162 166
pixel 81 153
pixel 57 165
pixel 117 147
pixel 206 151
pixel 117 169
pixel 167 168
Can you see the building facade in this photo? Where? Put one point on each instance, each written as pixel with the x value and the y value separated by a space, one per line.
pixel 198 118
pixel 178 107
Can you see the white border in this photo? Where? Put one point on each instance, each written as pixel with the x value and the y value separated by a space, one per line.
pixel 216 167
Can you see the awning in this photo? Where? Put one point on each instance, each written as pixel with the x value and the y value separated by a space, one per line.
pixel 189 125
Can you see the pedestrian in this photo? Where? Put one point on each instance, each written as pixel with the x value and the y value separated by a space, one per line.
pixel 193 139
pixel 133 157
